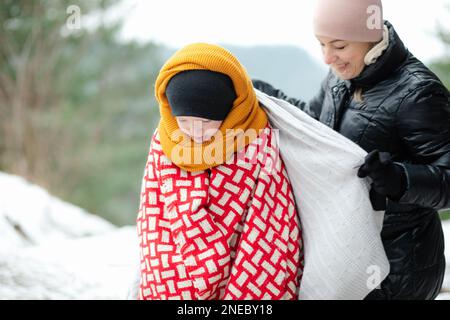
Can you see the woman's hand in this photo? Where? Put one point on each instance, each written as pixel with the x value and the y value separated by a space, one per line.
pixel 388 177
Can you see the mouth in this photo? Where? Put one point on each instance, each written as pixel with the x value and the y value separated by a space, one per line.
pixel 199 140
pixel 342 67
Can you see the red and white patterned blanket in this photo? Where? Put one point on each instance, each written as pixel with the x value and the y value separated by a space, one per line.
pixel 231 232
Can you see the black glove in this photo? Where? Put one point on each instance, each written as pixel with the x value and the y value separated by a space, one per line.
pixel 388 178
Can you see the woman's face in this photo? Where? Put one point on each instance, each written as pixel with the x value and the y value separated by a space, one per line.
pixel 199 129
pixel 346 58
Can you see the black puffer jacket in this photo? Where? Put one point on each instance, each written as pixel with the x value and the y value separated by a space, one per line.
pixel 406 112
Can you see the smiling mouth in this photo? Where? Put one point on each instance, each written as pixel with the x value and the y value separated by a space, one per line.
pixel 342 67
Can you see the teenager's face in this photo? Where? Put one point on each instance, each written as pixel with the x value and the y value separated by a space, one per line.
pixel 199 129
pixel 346 58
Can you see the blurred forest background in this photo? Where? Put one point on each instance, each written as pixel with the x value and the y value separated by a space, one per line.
pixel 77 107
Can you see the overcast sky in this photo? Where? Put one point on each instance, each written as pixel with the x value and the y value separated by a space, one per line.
pixel 269 22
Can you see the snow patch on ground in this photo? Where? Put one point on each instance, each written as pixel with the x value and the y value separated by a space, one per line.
pixel 445 291
pixel 51 249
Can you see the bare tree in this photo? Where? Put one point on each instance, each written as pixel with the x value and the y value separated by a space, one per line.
pixel 34 66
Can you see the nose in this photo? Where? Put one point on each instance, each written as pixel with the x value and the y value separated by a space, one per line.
pixel 328 56
pixel 197 129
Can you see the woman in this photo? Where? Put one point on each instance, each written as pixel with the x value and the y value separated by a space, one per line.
pixel 217 218
pixel 381 97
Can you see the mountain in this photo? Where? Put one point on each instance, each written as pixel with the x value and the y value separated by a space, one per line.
pixel 288 68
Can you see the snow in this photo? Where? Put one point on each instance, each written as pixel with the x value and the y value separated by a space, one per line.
pixel 98 267
pixel 41 217
pixel 445 291
pixel 51 249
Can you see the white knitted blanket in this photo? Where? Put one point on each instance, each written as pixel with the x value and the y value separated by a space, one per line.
pixel 344 255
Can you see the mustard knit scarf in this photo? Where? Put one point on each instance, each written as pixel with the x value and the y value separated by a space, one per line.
pixel 245 118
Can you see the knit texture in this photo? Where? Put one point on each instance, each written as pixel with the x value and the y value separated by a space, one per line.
pixel 200 93
pixel 351 20
pixel 245 114
pixel 344 254
pixel 231 232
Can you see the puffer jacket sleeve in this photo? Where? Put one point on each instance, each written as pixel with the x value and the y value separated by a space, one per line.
pixel 313 108
pixel 423 122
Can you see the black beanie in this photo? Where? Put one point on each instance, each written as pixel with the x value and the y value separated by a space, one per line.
pixel 201 93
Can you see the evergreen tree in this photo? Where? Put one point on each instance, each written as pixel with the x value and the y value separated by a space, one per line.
pixel 76 103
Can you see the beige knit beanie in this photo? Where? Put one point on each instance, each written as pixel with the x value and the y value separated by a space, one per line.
pixel 351 20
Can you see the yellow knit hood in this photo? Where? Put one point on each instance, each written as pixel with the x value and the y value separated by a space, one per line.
pixel 246 116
